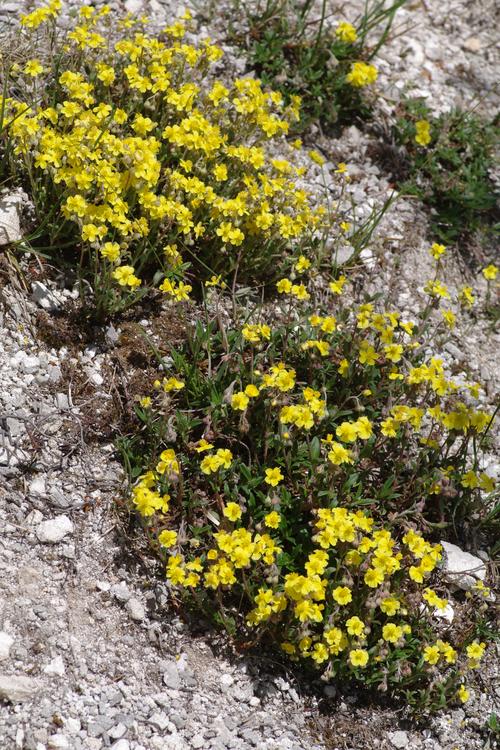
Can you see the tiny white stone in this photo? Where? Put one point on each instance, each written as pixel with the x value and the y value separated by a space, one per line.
pixel 37 486
pixel 10 216
pixel 398 739
pixel 448 613
pixel 121 592
pixel 58 742
pixel 117 731
pixel 120 745
pixel 73 726
pixel 30 364
pixel 134 6
pixel 56 666
pixel 472 44
pixel 17 688
pixel 6 642
pixel 226 680
pixel 135 609
pixel 44 297
pixel 54 530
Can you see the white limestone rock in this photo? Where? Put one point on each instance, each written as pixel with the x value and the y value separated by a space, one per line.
pixel 10 217
pixel 54 530
pixel 460 568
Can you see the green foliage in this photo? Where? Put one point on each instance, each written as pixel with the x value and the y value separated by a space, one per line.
pixel 451 174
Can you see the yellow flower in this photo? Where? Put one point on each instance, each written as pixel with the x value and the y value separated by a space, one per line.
pixel 300 291
pixel 393 352
pixel 437 250
pixel 216 281
pixel 346 32
pixel 367 354
pixel 338 455
pixel 302 264
pixel 436 289
pixel 475 650
pixel 466 297
pixel 272 519
pixel 220 172
pixel 284 286
pixel 91 233
pixel 463 694
pixel 358 657
pixel 343 367
pixel 390 606
pixel 167 538
pixel 203 445
pixel 145 402
pixel 124 275
pixel 373 578
pixel 490 272
pixel 106 74
pixel 364 427
pixel 431 654
pixel 416 574
pixel 210 464
pixel 449 318
pixel 337 286
pixel 422 132
pixel 232 511
pixel 240 401
pixel 110 251
pixel 433 599
pixel 392 632
pixel 33 68
pixel 342 595
pixel 172 384
pixel 229 233
pixel 319 653
pixel 273 476
pixel 224 457
pixel 142 125
pixel 447 651
pixel 355 626
pixel 347 432
pixel 362 74
pixel 251 391
pixel 316 157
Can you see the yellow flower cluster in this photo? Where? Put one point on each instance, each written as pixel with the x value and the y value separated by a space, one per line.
pixel 315 606
pixel 346 32
pixel 362 74
pixel 232 552
pixel 185 164
pixel 358 593
pixel 41 15
pixel 422 132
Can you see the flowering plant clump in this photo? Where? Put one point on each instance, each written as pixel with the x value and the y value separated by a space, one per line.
pixel 289 478
pixel 141 161
pixel 450 160
pixel 327 66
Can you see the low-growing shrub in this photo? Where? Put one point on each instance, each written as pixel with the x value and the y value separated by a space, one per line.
pixel 328 68
pixel 287 473
pixel 140 161
pixel 449 165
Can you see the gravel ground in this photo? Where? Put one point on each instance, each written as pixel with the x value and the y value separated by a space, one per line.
pixel 92 652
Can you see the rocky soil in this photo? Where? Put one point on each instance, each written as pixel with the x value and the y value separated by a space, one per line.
pixel 93 653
